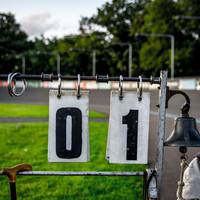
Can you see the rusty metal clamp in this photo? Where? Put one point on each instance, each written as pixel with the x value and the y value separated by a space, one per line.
pixel 121 87
pixel 12 85
pixel 139 89
pixel 78 88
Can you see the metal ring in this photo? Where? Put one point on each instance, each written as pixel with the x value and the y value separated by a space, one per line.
pixel 51 77
pixel 59 85
pixel 78 86
pixel 151 80
pixel 9 84
pixel 121 87
pixel 12 89
pixel 42 76
pixel 139 89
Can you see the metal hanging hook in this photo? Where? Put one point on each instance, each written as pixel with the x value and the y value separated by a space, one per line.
pixel 151 80
pixel 121 87
pixel 78 86
pixel 139 89
pixel 59 85
pixel 12 85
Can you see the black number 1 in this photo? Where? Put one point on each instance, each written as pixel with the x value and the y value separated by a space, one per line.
pixel 61 132
pixel 132 133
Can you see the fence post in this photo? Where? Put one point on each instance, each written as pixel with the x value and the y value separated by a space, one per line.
pixel 161 131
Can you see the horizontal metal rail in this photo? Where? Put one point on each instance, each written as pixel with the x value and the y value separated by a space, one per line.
pixel 65 173
pixel 98 78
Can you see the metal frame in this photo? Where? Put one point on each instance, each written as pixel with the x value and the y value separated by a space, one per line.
pixel 82 173
pixel 98 78
pixel 162 81
pixel 161 131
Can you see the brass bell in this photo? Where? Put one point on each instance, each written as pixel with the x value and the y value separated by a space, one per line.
pixel 185 133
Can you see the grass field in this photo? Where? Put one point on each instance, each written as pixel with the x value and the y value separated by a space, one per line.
pixel 27 143
pixel 26 110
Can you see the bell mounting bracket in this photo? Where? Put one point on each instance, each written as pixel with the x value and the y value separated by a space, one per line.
pixel 185 107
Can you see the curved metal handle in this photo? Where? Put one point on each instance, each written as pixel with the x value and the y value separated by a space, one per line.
pixel 12 171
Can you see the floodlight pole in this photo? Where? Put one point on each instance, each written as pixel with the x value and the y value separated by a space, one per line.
pixel 93 62
pixel 23 64
pixel 172 55
pixel 58 63
pixel 93 58
pixel 54 54
pixel 130 55
pixel 172 39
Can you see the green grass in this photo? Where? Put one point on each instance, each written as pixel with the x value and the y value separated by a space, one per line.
pixel 93 114
pixel 27 143
pixel 23 110
pixel 26 110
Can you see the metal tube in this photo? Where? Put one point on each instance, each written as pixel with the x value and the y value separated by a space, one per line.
pixel 130 59
pixel 50 77
pixel 93 62
pixel 161 131
pixel 86 173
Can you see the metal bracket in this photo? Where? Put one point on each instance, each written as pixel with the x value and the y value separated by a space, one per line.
pixel 47 77
pixel 185 107
pixel 101 78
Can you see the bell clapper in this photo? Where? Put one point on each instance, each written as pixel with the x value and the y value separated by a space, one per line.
pixel 183 166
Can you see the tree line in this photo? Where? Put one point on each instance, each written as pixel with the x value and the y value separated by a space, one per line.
pixel 109 34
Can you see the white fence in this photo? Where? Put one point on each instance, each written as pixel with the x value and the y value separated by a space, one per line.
pixel 181 83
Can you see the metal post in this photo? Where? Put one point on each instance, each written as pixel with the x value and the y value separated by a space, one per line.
pixel 23 64
pixel 161 131
pixel 93 62
pixel 172 56
pixel 58 63
pixel 130 59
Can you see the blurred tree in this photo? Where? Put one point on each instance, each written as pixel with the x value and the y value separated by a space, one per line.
pixel 42 57
pixel 13 42
pixel 154 52
pixel 160 16
pixel 109 32
pixel 188 38
pixel 115 19
pixel 76 52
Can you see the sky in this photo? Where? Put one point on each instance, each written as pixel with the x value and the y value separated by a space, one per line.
pixel 50 17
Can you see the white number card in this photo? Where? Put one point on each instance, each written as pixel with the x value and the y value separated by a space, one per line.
pixel 68 139
pixel 128 128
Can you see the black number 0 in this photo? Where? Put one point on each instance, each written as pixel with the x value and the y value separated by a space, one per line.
pixel 131 119
pixel 76 134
